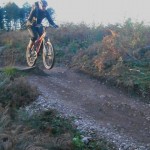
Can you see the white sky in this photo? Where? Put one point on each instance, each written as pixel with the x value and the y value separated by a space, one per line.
pixel 96 11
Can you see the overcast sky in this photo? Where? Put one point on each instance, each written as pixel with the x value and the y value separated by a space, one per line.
pixel 96 11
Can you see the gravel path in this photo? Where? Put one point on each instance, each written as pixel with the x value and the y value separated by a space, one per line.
pixel 97 109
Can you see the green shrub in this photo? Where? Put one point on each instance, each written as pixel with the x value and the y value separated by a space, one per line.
pixel 17 93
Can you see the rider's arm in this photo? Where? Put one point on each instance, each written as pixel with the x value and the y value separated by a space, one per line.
pixel 50 19
pixel 32 18
pixel 31 15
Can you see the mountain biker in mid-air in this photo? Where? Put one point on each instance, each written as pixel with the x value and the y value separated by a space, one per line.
pixel 37 14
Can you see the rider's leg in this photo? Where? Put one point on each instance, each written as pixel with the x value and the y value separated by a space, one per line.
pixel 34 35
pixel 40 32
pixel 30 44
pixel 46 39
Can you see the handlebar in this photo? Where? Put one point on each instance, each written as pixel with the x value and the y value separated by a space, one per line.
pixel 45 26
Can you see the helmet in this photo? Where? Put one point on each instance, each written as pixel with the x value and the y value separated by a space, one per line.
pixel 44 3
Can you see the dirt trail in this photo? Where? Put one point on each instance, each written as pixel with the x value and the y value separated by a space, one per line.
pixel 97 108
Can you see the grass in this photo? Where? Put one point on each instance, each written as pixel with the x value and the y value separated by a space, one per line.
pixel 46 130
pixel 9 71
pixel 14 88
pixel 61 134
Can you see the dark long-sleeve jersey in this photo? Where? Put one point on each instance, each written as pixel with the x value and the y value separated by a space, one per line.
pixel 37 15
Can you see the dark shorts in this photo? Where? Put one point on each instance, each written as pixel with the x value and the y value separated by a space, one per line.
pixel 35 32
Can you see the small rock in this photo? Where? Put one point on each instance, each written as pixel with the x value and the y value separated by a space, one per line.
pixel 86 140
pixel 102 96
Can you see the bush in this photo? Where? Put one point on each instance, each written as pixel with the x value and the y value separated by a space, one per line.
pixel 17 93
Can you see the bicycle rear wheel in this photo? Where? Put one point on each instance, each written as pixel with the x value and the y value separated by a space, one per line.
pixel 31 56
pixel 48 55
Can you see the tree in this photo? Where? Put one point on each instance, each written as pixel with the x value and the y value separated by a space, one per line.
pixel 26 8
pixel 11 15
pixel 24 13
pixel 1 18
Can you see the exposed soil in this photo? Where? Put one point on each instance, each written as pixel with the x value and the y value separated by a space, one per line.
pixel 98 109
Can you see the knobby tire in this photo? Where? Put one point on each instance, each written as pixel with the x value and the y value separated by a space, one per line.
pixel 31 56
pixel 48 55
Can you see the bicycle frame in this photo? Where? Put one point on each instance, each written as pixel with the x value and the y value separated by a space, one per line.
pixel 39 41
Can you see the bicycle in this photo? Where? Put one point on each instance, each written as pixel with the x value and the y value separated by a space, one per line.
pixel 48 54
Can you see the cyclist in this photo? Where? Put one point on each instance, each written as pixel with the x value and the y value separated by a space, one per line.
pixel 37 14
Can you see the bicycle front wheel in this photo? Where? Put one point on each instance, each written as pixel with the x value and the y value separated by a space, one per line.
pixel 48 55
pixel 31 56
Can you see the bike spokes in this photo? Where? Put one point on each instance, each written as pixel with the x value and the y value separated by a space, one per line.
pixel 48 55
pixel 31 56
